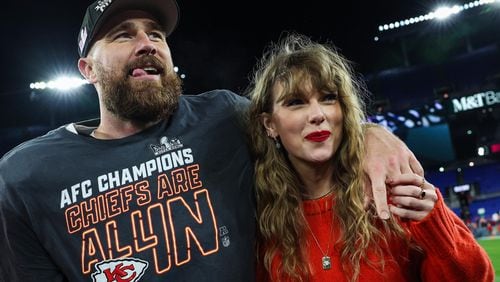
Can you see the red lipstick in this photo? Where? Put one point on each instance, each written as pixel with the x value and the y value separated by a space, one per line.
pixel 318 136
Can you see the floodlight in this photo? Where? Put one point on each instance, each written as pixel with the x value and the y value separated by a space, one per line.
pixel 62 83
pixel 440 13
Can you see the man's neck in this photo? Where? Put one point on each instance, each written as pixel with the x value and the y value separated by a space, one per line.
pixel 115 128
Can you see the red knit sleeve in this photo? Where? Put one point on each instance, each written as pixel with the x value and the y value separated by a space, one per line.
pixel 451 251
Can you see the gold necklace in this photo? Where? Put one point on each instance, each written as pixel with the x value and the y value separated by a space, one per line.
pixel 326 261
pixel 307 197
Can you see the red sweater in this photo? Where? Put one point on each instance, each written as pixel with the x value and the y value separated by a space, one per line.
pixel 450 252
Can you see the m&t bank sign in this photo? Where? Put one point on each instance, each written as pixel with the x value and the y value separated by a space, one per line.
pixel 475 101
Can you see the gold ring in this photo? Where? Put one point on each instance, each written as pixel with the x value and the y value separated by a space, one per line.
pixel 422 184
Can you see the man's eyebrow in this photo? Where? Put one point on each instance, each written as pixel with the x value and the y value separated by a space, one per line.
pixel 122 26
pixel 152 25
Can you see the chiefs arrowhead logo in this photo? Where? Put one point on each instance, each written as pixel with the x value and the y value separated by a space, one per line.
pixel 119 270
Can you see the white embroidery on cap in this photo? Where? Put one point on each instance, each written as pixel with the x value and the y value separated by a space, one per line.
pixel 102 5
pixel 83 38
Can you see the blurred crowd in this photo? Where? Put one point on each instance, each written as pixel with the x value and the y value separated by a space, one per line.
pixel 482 226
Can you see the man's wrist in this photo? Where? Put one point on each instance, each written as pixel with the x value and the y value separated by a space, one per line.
pixel 367 125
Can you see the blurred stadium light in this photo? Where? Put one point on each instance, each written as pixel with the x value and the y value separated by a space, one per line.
pixel 441 13
pixel 62 83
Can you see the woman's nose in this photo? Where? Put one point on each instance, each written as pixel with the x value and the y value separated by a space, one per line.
pixel 316 113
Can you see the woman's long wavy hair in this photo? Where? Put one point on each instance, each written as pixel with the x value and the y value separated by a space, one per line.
pixel 281 222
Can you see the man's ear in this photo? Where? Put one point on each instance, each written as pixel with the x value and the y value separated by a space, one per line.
pixel 86 69
pixel 267 122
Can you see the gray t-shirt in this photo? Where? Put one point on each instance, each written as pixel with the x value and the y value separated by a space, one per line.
pixel 171 203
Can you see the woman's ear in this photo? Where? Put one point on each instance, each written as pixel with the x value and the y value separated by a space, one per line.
pixel 267 122
pixel 86 69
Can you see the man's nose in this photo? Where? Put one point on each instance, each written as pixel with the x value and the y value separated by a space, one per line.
pixel 144 45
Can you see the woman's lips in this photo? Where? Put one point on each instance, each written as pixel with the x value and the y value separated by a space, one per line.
pixel 318 136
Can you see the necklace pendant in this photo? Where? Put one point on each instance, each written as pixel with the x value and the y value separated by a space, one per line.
pixel 326 262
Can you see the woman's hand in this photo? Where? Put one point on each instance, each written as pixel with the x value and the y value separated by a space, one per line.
pixel 411 196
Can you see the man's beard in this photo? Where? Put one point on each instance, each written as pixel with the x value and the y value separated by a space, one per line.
pixel 141 100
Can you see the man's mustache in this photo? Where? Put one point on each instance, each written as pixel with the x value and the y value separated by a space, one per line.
pixel 146 61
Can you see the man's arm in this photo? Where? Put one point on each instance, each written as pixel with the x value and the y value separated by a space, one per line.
pixel 386 156
pixel 22 257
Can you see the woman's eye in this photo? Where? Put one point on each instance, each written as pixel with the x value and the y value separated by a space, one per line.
pixel 293 102
pixel 330 97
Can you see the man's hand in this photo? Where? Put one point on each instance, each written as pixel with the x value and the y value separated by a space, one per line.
pixel 386 157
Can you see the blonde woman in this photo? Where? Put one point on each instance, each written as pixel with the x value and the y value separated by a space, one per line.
pixel 306 128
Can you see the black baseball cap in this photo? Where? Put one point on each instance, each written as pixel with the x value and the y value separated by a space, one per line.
pixel 165 11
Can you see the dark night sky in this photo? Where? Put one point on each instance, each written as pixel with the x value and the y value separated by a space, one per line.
pixel 216 43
